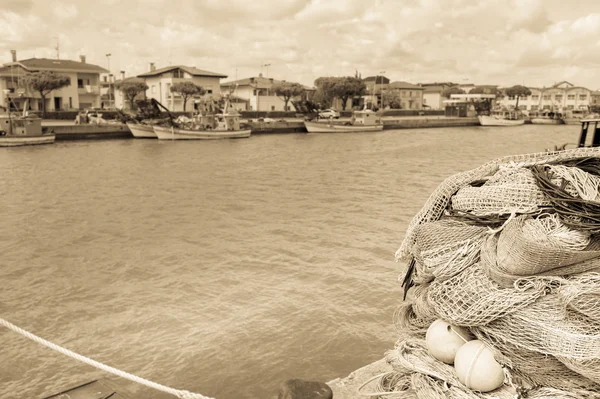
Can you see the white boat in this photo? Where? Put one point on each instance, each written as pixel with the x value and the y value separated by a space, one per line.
pixel 497 120
pixel 205 127
pixel 141 130
pixel 22 130
pixel 362 121
pixel 548 118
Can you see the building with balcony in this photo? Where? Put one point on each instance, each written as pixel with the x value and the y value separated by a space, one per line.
pixel 83 92
pixel 160 80
pixel 561 97
pixel 259 95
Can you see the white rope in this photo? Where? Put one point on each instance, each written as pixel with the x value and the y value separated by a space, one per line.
pixel 175 392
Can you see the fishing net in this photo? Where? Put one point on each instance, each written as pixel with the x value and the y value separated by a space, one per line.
pixel 510 251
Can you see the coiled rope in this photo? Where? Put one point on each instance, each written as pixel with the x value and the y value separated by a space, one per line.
pixel 182 394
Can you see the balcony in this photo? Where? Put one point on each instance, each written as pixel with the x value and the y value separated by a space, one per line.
pixel 88 89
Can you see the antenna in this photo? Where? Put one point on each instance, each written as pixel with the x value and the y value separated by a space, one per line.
pixel 57 47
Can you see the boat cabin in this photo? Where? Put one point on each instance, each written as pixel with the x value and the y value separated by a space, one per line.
pixel 19 126
pixel 586 124
pixel 366 117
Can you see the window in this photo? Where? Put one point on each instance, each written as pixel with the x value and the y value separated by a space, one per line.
pixel 153 89
pixel 522 106
pixel 511 97
pixel 570 107
pixel 410 93
pixel 583 97
pixel 534 107
pixel 209 91
pixel 272 108
pixel 80 83
pixel 178 73
pixel 535 97
pixel 546 97
pixel 571 97
pixel 558 97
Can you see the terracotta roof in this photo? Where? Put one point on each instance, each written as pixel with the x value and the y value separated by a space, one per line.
pixel 191 70
pixel 259 82
pixel 404 85
pixel 47 64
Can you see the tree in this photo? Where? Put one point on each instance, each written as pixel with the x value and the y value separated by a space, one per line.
pixel 324 94
pixel 44 82
pixel 517 91
pixel 447 92
pixel 287 91
pixel 131 89
pixel 487 90
pixel 187 90
pixel 348 87
pixel 392 98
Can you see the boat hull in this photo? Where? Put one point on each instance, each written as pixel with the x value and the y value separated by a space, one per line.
pixel 15 141
pixel 316 127
pixel 485 120
pixel 572 121
pixel 545 121
pixel 139 130
pixel 169 133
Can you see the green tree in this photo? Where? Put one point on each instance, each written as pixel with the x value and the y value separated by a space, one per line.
pixel 187 90
pixel 287 91
pixel 324 94
pixel 44 82
pixel 517 91
pixel 447 92
pixel 130 90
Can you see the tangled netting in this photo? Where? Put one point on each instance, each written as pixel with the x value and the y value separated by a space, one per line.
pixel 511 251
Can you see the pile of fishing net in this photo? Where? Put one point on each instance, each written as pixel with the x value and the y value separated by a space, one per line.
pixel 509 251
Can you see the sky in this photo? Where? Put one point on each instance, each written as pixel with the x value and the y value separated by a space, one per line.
pixel 531 42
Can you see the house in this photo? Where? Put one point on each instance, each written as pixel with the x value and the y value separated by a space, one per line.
pixel 432 94
pixel 111 95
pixel 160 80
pixel 259 94
pixel 407 95
pixel 83 92
pixel 561 97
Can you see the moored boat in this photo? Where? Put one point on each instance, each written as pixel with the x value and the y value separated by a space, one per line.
pixel 22 130
pixel 205 127
pixel 503 119
pixel 548 118
pixel 140 130
pixel 362 121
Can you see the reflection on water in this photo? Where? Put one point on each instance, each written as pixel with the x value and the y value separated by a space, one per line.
pixel 219 267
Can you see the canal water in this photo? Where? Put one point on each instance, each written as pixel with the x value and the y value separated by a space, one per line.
pixel 221 267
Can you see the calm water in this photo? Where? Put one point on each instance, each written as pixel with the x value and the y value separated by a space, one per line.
pixel 222 267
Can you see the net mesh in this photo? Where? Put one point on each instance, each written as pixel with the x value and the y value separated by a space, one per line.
pixel 520 268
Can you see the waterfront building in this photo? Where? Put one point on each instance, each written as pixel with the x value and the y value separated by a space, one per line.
pixel 112 95
pixel 407 95
pixel 160 80
pixel 562 97
pixel 595 99
pixel 432 94
pixel 83 92
pixel 256 94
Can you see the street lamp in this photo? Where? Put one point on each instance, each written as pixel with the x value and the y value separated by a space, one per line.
pixel 381 72
pixel 109 74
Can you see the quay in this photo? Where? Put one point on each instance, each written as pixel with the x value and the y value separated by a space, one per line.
pixel 68 130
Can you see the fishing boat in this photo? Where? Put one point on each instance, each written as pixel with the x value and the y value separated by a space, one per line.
pixel 548 118
pixel 225 125
pixel 574 117
pixel 141 130
pixel 505 118
pixel 362 121
pixel 22 130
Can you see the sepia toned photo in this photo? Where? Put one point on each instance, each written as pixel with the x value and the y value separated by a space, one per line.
pixel 299 199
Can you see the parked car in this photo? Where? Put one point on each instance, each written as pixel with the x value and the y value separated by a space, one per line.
pixel 329 113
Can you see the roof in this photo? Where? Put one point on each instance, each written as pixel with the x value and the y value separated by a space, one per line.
pixel 405 85
pixel 191 70
pixel 259 82
pixel 132 79
pixel 47 64
pixel 434 89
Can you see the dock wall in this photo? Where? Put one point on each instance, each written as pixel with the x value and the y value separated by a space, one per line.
pixel 91 132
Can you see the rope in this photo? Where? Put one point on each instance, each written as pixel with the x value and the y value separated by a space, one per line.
pixel 182 394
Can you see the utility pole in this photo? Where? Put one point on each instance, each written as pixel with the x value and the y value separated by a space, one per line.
pixel 267 65
pixel 381 89
pixel 109 82
pixel 57 48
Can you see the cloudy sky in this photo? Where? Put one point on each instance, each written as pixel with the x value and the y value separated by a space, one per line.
pixel 531 42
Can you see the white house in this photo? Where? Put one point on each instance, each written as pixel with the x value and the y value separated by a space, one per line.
pixel 83 92
pixel 259 94
pixel 562 97
pixel 160 80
